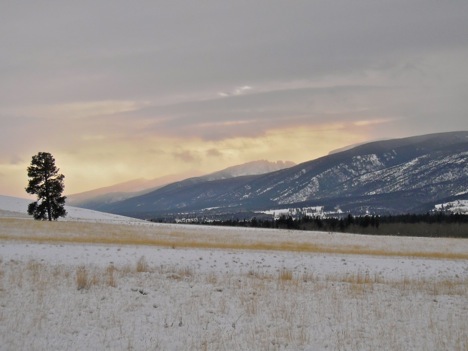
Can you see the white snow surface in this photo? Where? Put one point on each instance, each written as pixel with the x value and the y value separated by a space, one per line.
pixel 163 298
pixel 17 207
pixel 458 206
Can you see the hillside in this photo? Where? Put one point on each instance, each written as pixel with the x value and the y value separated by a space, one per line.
pixel 386 177
pixel 94 198
pixel 14 207
pixel 101 199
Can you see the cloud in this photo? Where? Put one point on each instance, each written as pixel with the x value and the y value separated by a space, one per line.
pixel 185 155
pixel 237 91
pixel 189 82
pixel 366 123
pixel 214 153
pixel 273 107
pixel 74 110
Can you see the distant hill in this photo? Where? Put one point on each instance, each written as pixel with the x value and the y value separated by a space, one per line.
pixel 384 177
pixel 100 199
pixel 94 198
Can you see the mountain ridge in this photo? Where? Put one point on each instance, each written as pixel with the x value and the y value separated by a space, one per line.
pixel 99 198
pixel 124 190
pixel 383 177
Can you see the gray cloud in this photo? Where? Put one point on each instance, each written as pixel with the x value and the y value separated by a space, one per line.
pixel 214 153
pixel 104 83
pixel 185 155
pixel 188 53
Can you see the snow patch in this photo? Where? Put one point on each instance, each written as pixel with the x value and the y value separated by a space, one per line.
pixel 455 207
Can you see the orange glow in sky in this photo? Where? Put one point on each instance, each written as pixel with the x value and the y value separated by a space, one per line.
pixel 118 90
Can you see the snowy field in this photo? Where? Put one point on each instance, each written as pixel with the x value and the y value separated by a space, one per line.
pixel 120 284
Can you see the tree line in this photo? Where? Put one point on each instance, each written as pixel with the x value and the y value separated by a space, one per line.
pixel 424 225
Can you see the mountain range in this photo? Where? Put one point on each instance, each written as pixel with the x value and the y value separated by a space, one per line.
pixel 98 199
pixel 408 175
pixel 118 192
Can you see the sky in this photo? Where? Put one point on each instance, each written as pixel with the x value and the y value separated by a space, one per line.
pixel 118 90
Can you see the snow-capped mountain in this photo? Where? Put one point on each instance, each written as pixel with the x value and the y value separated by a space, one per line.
pixel 392 176
pixel 249 168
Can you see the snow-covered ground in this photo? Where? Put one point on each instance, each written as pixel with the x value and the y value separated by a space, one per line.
pixel 63 289
pixel 458 206
pixel 17 207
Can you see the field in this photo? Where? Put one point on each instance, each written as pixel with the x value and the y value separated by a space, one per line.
pixel 93 285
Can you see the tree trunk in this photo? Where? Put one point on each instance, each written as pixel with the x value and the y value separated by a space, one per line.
pixel 49 208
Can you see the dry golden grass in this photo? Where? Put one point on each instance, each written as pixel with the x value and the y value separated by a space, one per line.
pixel 142 265
pixel 449 287
pixel 185 272
pixel 308 277
pixel 259 275
pixel 361 278
pixel 85 279
pixel 82 279
pixel 147 235
pixel 285 275
pixel 111 280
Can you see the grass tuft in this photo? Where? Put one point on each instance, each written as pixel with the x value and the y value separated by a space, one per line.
pixel 142 265
pixel 111 281
pixel 82 280
pixel 285 275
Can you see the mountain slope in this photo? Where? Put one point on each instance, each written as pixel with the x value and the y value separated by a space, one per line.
pixel 392 176
pixel 102 199
pixel 92 199
pixel 249 168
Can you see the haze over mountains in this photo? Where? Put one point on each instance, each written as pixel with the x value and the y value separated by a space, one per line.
pixel 122 191
pixel 409 175
pixel 95 199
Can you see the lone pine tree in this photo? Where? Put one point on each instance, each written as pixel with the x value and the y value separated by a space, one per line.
pixel 47 184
